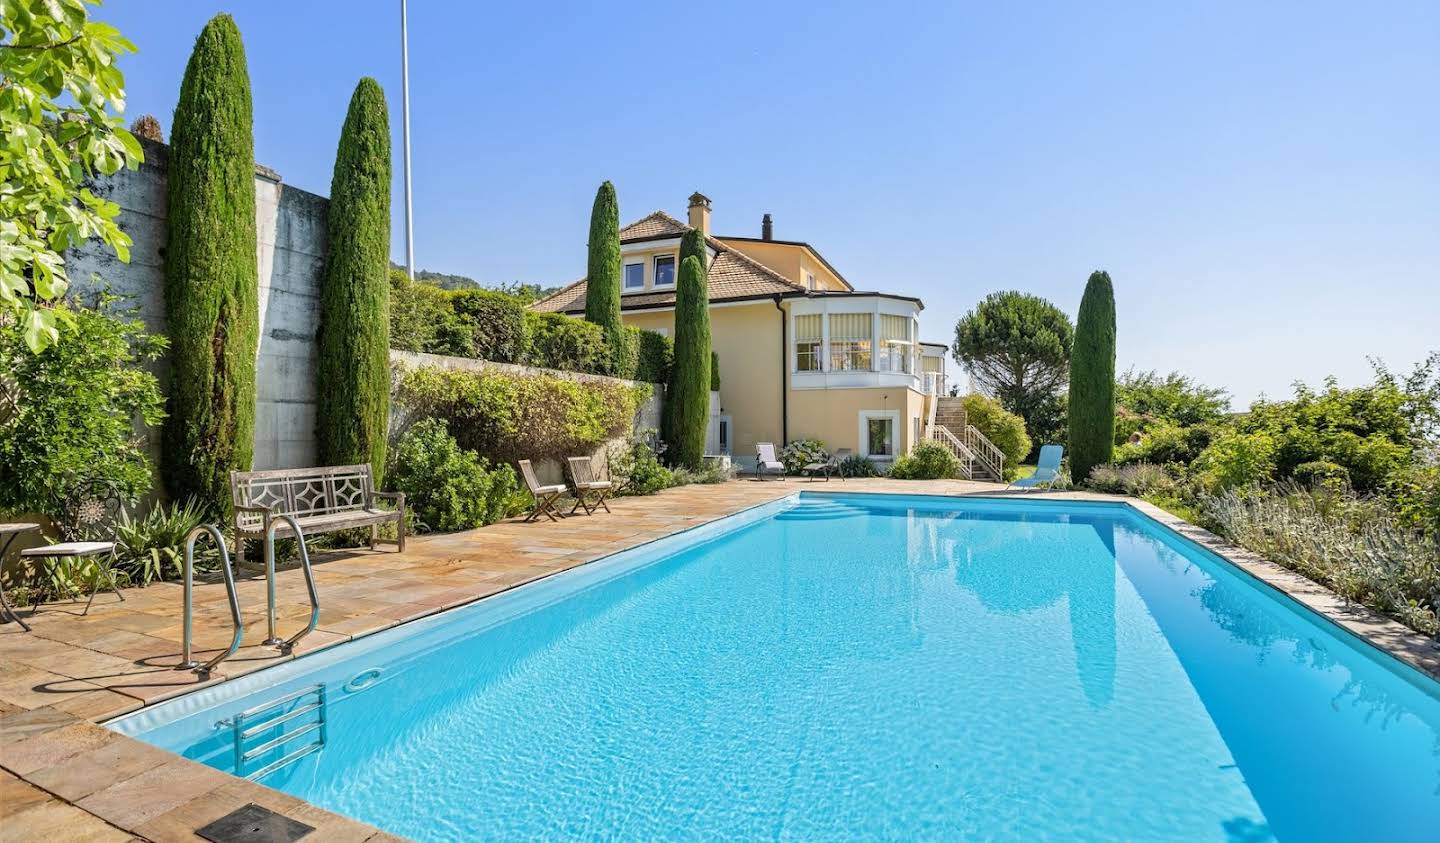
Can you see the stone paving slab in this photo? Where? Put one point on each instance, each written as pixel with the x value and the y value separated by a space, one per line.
pixel 64 777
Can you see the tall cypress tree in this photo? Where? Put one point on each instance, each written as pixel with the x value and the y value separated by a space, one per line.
pixel 602 271
pixel 689 395
pixel 1092 379
pixel 693 243
pixel 353 410
pixel 211 278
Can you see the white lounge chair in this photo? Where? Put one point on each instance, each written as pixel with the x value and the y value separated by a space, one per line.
pixel 1047 469
pixel 765 460
pixel 545 495
pixel 589 492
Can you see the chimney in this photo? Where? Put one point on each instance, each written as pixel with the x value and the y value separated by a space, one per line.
pixel 767 229
pixel 700 212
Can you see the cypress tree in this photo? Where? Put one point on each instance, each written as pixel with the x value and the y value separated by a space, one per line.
pixel 211 278
pixel 353 411
pixel 602 271
pixel 693 243
pixel 689 395
pixel 1092 379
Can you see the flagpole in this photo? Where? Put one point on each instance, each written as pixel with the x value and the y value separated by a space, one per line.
pixel 405 139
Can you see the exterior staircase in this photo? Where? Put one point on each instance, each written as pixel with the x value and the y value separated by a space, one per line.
pixel 979 458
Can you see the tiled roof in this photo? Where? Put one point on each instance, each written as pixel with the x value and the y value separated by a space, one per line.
pixel 733 275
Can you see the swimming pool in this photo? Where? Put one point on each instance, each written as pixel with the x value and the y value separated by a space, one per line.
pixel 854 666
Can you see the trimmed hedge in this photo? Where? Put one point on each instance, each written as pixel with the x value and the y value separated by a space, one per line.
pixel 211 277
pixel 1092 378
pixel 495 323
pixel 507 417
pixel 353 411
pixel 714 372
pixel 655 354
pixel 558 341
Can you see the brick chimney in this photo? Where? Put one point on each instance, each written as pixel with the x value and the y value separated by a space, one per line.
pixel 767 228
pixel 700 212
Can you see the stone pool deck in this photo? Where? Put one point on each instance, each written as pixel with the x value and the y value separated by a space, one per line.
pixel 65 777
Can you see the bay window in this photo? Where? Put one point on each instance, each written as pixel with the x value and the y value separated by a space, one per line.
pixel 808 339
pixel 850 339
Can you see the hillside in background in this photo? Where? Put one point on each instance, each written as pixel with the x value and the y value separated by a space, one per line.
pixel 447 281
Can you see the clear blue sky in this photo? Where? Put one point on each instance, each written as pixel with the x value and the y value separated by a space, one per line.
pixel 1262 180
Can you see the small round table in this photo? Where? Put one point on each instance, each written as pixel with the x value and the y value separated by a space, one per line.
pixel 9 532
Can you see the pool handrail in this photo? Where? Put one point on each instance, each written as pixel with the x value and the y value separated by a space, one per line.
pixel 187 661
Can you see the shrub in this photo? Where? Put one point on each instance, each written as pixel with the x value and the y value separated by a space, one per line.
pixel 710 473
pixel 636 471
pixel 1320 472
pixel 1235 460
pixel 68 413
pixel 928 461
pixel 563 342
pixel 353 377
pixel 1165 443
pixel 493 322
pixel 689 395
pixel 602 270
pixel 714 371
pixel 449 488
pixel 421 319
pixel 1352 544
pixel 1092 378
pixel 654 356
pixel 1135 480
pixel 1000 426
pixel 801 453
pixel 211 276
pixel 1415 496
pixel 507 417
pixel 856 465
pixel 152 548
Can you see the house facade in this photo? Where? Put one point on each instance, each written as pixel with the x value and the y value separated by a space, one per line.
pixel 803 354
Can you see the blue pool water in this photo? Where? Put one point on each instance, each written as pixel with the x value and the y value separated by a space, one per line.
pixel 862 667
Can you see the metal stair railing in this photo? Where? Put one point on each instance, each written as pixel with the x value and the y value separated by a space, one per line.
pixel 988 454
pixel 942 434
pixel 187 662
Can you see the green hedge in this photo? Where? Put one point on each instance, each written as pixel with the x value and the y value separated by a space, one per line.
pixel 211 277
pixel 656 354
pixel 506 417
pixel 495 323
pixel 561 342
pixel 1002 427
pixel 353 376
pixel 447 487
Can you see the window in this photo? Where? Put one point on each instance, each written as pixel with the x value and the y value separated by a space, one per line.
pixel 724 434
pixel 809 281
pixel 807 343
pixel 895 344
pixel 880 437
pixel 634 276
pixel 665 270
pixel 850 342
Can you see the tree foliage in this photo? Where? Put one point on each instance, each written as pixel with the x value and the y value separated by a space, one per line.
pixel 1000 426
pixel 689 395
pixel 68 414
pixel 211 276
pixel 602 271
pixel 61 97
pixel 1092 378
pixel 353 397
pixel 1175 398
pixel 1017 347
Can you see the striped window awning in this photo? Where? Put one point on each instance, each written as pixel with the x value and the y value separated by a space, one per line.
pixel 807 328
pixel 849 327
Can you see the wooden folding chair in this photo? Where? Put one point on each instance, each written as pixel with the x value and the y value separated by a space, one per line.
pixel 589 492
pixel 545 496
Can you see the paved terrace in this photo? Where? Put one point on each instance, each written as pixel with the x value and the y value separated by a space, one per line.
pixel 64 777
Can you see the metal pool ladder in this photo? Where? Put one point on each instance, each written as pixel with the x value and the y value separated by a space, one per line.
pixel 187 662
pixel 267 727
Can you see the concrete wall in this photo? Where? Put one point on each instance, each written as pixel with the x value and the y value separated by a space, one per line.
pixel 291 254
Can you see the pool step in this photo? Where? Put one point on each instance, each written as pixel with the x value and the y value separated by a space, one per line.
pixel 262 730
pixel 820 512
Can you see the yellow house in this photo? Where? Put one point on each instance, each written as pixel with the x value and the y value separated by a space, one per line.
pixel 802 353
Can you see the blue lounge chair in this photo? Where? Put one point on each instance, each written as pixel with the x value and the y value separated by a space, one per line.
pixel 1047 470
